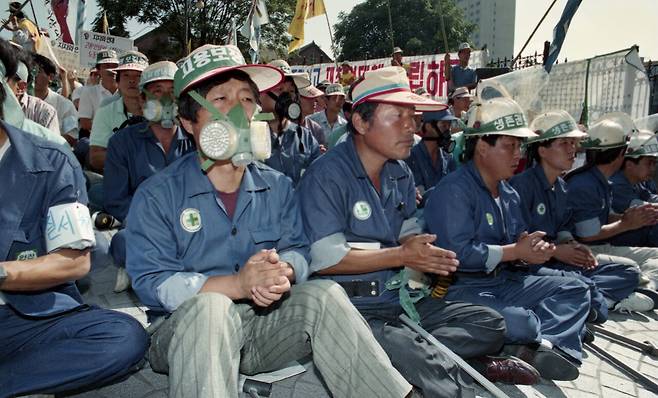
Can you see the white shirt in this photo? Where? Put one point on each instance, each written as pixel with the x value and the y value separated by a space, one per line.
pixel 90 99
pixel 66 113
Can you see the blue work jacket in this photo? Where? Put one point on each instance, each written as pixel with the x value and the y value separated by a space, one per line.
pixel 341 208
pixel 466 219
pixel 427 175
pixel 178 232
pixel 293 151
pixel 36 175
pixel 133 155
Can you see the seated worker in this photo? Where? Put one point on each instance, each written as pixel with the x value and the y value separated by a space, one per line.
pixel 308 100
pixel 14 110
pixel 51 341
pixel 543 195
pixel 331 118
pixel 110 117
pixel 618 238
pixel 35 109
pixel 459 101
pixel 137 152
pixel 92 95
pixel 478 215
pixel 66 112
pixel 293 146
pixel 215 241
pixel 461 75
pixel 431 158
pixel 629 183
pixel 361 194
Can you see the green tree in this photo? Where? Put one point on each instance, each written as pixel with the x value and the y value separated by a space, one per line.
pixel 365 31
pixel 210 24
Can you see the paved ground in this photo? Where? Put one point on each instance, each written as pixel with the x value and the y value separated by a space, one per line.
pixel 597 378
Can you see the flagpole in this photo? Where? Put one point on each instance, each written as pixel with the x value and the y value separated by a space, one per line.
pixel 331 36
pixel 35 17
pixel 532 34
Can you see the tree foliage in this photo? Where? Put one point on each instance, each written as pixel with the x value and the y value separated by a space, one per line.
pixel 365 32
pixel 210 24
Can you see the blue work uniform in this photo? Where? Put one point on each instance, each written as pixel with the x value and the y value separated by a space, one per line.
pixel 341 208
pixel 544 208
pixel 426 174
pixel 468 220
pixel 133 155
pixel 462 76
pixel 293 151
pixel 178 232
pixel 51 341
pixel 625 194
pixel 590 202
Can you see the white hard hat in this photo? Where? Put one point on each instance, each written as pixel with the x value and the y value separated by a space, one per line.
pixel 623 119
pixel 163 70
pixel 642 143
pixel 605 134
pixel 555 124
pixel 497 116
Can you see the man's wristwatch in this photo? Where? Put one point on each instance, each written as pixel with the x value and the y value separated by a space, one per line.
pixel 3 274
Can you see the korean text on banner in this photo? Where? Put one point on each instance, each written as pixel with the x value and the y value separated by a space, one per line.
pixel 424 70
pixel 92 42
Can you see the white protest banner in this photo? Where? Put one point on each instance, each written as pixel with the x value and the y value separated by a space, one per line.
pixel 92 42
pixel 67 54
pixel 423 70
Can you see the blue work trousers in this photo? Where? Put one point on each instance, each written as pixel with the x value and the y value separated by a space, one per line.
pixel 609 281
pixel 534 307
pixel 87 347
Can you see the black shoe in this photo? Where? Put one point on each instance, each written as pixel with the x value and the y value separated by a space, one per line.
pixel 548 362
pixel 588 337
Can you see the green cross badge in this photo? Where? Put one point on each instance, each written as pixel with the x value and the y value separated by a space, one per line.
pixel 190 220
pixel 362 210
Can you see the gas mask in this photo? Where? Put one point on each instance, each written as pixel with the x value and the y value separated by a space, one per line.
pixel 443 139
pixel 233 136
pixel 286 106
pixel 162 110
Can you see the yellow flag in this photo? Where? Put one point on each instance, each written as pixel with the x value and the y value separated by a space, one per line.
pixel 106 25
pixel 305 9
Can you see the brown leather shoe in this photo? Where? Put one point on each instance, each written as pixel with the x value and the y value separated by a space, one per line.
pixel 509 370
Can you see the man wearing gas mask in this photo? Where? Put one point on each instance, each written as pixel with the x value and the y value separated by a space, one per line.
pixel 293 146
pixel 431 159
pixel 215 241
pixel 137 152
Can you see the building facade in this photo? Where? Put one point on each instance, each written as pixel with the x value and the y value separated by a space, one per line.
pixel 495 21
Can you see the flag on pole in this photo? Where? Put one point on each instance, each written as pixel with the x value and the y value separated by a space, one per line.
pixel 251 29
pixel 560 32
pixel 106 25
pixel 304 10
pixel 82 19
pixel 232 38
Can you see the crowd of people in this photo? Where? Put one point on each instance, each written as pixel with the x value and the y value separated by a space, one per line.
pixel 260 219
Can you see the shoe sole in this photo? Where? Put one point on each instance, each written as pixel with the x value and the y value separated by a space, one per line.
pixel 553 366
pixel 653 295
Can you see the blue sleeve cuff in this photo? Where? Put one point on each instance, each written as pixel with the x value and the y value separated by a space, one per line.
pixel 588 228
pixel 328 251
pixel 564 236
pixel 410 226
pixel 637 202
pixel 298 263
pixel 494 257
pixel 179 287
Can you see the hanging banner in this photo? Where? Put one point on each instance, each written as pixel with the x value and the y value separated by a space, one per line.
pixel 424 71
pixel 92 42
pixel 614 82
